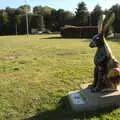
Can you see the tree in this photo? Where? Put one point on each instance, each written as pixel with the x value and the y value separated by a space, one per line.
pixel 116 10
pixel 4 17
pixel 13 19
pixel 59 18
pixel 82 14
pixel 10 11
pixel 17 21
pixel 23 8
pixel 95 15
pixel 37 21
pixel 46 14
pixel 42 10
pixel 3 22
pixel 68 18
pixel 53 19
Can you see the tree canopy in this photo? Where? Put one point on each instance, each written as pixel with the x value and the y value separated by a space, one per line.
pixel 13 20
pixel 95 15
pixel 81 14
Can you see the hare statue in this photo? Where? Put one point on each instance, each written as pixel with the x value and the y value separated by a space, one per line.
pixel 107 69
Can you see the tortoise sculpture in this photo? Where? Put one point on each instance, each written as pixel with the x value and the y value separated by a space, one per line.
pixel 107 69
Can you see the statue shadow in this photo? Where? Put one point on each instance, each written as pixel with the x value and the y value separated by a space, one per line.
pixel 64 112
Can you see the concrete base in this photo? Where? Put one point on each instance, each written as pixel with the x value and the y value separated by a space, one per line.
pixel 85 100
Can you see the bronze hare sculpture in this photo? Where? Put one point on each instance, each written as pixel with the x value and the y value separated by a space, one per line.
pixel 107 69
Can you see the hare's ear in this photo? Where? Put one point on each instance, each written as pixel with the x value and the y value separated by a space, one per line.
pixel 108 22
pixel 100 23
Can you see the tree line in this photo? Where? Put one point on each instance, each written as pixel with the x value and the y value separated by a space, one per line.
pixel 13 20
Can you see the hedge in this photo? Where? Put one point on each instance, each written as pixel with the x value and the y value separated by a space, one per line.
pixel 79 32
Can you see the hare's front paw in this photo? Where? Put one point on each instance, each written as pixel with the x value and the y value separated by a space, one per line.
pixel 95 89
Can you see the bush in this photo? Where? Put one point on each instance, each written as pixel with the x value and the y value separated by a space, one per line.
pixel 79 32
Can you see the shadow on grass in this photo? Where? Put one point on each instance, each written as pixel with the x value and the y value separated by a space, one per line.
pixel 61 38
pixel 114 40
pixel 53 38
pixel 64 112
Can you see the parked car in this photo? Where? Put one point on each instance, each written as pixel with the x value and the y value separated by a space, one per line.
pixel 42 32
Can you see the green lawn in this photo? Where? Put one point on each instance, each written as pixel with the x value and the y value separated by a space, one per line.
pixel 36 73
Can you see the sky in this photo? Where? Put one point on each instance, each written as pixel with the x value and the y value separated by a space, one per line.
pixel 64 4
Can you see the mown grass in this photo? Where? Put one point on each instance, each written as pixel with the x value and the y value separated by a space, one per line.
pixel 36 73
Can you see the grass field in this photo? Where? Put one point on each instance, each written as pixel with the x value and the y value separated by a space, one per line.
pixel 36 73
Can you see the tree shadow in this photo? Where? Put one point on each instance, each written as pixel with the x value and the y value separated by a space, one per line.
pixel 61 38
pixel 115 40
pixel 64 112
pixel 53 38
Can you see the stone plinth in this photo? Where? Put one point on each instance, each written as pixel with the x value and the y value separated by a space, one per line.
pixel 85 100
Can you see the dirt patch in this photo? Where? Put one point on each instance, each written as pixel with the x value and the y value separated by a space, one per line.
pixel 9 57
pixel 66 53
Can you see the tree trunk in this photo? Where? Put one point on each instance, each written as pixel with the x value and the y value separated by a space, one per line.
pixel 16 29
